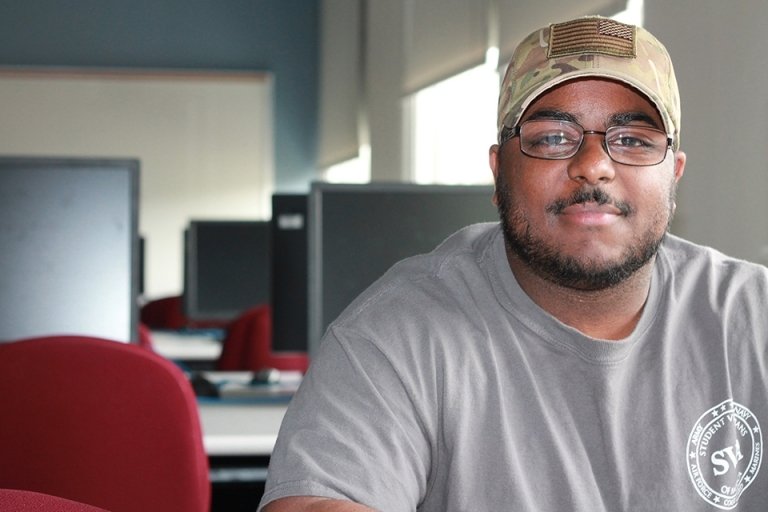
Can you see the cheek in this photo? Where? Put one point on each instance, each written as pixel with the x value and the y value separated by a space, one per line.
pixel 654 200
pixel 533 190
pixel 522 200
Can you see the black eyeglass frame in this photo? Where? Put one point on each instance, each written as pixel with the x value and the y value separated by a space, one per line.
pixel 510 133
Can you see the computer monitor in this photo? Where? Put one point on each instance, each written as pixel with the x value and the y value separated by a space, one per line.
pixel 289 273
pixel 358 231
pixel 69 262
pixel 227 268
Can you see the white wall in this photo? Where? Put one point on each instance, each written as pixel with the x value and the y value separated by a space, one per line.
pixel 718 49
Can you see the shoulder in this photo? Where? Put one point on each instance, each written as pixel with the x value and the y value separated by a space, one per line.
pixel 690 265
pixel 425 295
pixel 682 254
pixel 458 257
pixel 418 316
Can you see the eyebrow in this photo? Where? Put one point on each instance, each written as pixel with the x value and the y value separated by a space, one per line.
pixel 618 119
pixel 625 118
pixel 557 115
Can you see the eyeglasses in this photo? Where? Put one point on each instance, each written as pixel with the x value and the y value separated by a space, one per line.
pixel 553 139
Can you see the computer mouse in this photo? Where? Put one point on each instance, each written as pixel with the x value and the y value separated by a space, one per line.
pixel 266 376
pixel 202 386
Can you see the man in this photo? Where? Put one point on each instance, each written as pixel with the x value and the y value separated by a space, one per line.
pixel 576 357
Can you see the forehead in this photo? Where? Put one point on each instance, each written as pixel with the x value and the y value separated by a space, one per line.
pixel 594 98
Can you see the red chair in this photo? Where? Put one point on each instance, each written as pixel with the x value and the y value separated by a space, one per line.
pixel 100 422
pixel 168 313
pixel 145 337
pixel 164 313
pixel 247 345
pixel 27 501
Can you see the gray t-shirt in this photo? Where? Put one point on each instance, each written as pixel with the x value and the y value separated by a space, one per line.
pixel 444 388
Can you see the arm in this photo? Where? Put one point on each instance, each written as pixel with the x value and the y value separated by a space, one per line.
pixel 313 504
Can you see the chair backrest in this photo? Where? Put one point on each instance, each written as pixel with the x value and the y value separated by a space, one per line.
pixel 164 313
pixel 248 345
pixel 100 422
pixel 145 337
pixel 168 313
pixel 28 501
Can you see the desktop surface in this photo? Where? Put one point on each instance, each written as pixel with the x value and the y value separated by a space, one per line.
pixel 245 419
pixel 241 428
pixel 239 436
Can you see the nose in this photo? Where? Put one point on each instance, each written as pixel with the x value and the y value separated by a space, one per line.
pixel 592 164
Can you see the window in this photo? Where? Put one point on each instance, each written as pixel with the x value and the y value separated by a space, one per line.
pixel 453 125
pixel 355 170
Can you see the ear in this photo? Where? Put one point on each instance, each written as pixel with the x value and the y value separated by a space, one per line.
pixel 493 161
pixel 679 165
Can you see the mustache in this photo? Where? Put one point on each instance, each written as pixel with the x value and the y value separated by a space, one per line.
pixel 589 195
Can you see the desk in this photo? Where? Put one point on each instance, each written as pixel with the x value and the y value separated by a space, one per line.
pixel 239 438
pixel 240 429
pixel 244 426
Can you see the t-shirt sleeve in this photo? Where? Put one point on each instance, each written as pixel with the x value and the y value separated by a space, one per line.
pixel 353 431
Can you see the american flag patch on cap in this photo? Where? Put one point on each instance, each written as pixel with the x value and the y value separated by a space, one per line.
pixel 591 35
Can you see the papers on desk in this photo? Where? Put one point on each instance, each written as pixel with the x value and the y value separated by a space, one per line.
pixel 186 346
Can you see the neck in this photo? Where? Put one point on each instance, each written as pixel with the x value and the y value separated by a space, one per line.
pixel 609 314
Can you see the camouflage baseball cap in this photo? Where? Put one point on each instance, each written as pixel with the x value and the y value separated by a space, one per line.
pixel 584 47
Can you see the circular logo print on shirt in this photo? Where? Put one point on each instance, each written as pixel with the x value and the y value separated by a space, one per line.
pixel 724 452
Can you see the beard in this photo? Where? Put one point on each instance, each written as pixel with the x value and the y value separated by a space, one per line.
pixel 542 255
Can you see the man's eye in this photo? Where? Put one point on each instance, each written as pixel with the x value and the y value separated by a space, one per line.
pixel 633 139
pixel 551 140
pixel 628 141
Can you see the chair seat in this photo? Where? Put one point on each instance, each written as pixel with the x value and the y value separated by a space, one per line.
pixel 19 500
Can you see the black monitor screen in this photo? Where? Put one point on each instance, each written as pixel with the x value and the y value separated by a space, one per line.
pixel 227 268
pixel 358 231
pixel 289 273
pixel 69 260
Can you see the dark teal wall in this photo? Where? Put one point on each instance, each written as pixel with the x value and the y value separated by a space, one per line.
pixel 280 36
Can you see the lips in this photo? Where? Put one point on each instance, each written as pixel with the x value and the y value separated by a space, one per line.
pixel 589 201
pixel 591 208
pixel 591 214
